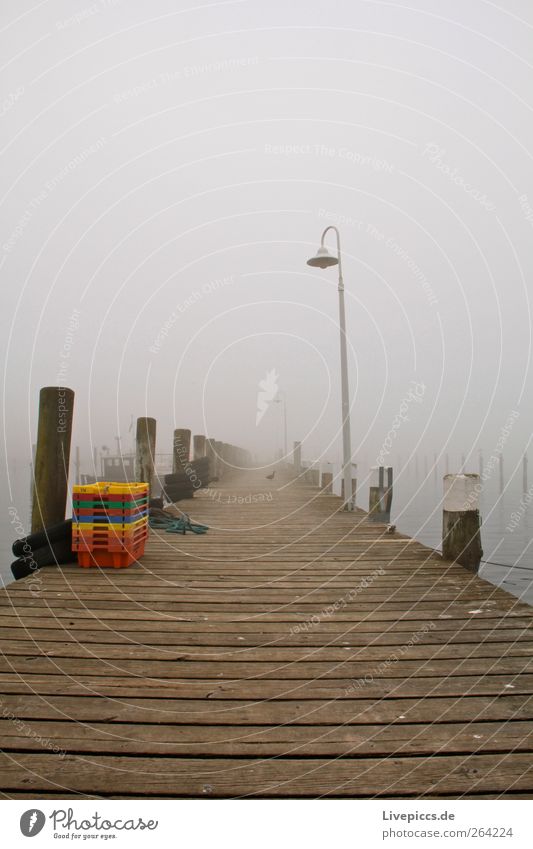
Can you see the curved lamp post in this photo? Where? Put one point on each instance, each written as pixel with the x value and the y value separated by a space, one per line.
pixel 323 259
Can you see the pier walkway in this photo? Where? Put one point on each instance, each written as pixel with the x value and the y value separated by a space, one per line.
pixel 293 651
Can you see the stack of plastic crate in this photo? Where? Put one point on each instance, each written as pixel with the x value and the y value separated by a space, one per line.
pixel 109 523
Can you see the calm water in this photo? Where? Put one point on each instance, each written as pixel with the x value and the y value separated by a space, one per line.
pixel 416 510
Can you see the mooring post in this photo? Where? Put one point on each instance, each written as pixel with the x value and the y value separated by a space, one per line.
pixel 220 466
pixel 226 455
pixel 380 494
pixel 181 449
pixel 326 480
pixel 52 455
pixel 198 446
pixel 211 454
pixel 354 484
pixel 297 457
pixel 145 451
pixel 461 538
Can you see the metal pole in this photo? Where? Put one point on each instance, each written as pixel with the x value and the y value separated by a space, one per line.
pixel 345 390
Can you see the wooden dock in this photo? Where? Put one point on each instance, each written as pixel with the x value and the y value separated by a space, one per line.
pixel 294 651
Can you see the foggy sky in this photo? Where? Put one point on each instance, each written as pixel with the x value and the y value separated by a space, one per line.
pixel 169 167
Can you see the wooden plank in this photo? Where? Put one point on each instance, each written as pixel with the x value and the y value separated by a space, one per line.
pixel 74 648
pixel 337 623
pixel 361 777
pixel 285 639
pixel 236 670
pixel 234 712
pixel 268 741
pixel 214 688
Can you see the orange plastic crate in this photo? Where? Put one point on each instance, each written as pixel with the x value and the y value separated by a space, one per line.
pixel 113 559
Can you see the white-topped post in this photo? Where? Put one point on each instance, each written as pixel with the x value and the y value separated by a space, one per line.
pixel 461 538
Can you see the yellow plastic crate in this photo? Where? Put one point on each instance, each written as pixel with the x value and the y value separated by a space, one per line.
pixel 110 488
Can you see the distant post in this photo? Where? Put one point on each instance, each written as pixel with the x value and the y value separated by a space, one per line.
pixel 145 451
pixel 181 449
pixel 211 454
pixel 461 538
pixel 52 456
pixel 297 457
pixel 198 446
pixel 326 480
pixel 220 465
pixel 380 494
pixel 354 484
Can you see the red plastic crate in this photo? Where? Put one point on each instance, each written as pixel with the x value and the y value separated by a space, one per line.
pixel 88 540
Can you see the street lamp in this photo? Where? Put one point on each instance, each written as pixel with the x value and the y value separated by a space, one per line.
pixel 323 259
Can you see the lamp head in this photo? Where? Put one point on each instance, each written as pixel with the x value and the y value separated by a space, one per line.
pixel 322 259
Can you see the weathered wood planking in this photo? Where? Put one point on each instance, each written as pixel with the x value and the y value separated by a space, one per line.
pixel 295 650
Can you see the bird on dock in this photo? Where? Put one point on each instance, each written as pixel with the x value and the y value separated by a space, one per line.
pixel 391 529
pixel 271 477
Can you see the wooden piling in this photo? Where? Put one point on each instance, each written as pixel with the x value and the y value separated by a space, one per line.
pixel 297 457
pixel 181 449
pixel 354 484
pixel 211 454
pixel 220 465
pixel 461 538
pixel 145 451
pixel 326 481
pixel 380 494
pixel 52 456
pixel 198 446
